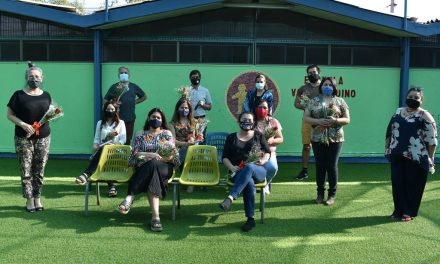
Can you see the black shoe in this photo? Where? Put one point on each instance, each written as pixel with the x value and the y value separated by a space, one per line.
pixel 250 223
pixel 225 204
pixel 302 175
pixel 319 199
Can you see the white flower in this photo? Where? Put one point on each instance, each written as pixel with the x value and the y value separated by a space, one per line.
pixel 394 135
pixel 415 148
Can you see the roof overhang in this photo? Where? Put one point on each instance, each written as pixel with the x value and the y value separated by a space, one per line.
pixel 154 10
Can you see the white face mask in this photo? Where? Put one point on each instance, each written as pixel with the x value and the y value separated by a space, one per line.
pixel 123 77
pixel 260 86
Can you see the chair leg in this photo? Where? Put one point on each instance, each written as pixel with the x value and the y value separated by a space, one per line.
pixel 178 196
pixel 262 204
pixel 173 209
pixel 86 206
pixel 98 196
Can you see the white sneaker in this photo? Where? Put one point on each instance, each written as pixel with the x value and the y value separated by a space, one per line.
pixel 266 189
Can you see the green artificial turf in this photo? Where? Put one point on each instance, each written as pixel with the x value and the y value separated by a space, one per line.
pixel 354 230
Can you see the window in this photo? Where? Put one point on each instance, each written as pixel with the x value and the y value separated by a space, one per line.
pixel 239 53
pixel 437 56
pixel 141 52
pixel 190 53
pixel 10 51
pixel 317 55
pixel 68 51
pixel 35 51
pixel 164 52
pixel 341 56
pixel 117 51
pixel 295 55
pixel 271 54
pixel 421 57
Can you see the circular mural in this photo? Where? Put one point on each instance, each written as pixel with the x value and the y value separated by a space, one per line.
pixel 237 90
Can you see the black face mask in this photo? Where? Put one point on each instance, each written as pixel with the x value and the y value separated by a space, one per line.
pixel 195 81
pixel 412 103
pixel 154 123
pixel 33 84
pixel 246 126
pixel 313 78
pixel 110 114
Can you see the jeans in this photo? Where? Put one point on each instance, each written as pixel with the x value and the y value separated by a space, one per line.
pixel 326 157
pixel 272 167
pixel 244 181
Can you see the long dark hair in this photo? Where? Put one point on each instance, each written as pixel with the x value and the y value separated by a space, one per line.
pixel 115 118
pixel 176 115
pixel 333 84
pixel 164 120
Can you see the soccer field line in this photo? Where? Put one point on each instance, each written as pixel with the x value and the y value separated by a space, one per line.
pixel 72 179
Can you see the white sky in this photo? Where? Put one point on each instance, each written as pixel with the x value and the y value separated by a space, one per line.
pixel 424 10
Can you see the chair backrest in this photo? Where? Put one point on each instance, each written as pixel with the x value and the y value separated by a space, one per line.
pixel 201 166
pixel 113 164
pixel 217 139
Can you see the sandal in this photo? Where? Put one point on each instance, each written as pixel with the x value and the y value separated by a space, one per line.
pixel 82 179
pixel 156 226
pixel 112 192
pixel 407 218
pixel 125 206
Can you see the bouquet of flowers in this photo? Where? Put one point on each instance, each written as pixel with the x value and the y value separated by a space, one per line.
pixel 304 101
pixel 166 149
pixel 109 138
pixel 184 91
pixel 200 127
pixel 270 132
pixel 54 112
pixel 327 112
pixel 120 90
pixel 254 155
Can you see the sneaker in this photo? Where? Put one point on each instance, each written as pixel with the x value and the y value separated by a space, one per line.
pixel 226 204
pixel 330 200
pixel 250 223
pixel 319 199
pixel 407 218
pixel 302 175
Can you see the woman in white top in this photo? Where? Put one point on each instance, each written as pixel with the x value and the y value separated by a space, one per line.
pixel 109 130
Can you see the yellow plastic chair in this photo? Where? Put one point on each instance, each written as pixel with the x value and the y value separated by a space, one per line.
pixel 260 186
pixel 112 166
pixel 200 169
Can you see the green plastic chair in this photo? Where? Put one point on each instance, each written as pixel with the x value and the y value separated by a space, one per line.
pixel 112 166
pixel 200 169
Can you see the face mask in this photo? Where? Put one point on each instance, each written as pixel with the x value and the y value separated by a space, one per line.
pixel 123 77
pixel 313 78
pixel 261 113
pixel 327 90
pixel 246 126
pixel 33 84
pixel 154 123
pixel 110 114
pixel 184 112
pixel 260 86
pixel 412 103
pixel 195 81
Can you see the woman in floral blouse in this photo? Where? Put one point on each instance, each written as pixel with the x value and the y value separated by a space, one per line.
pixel 411 140
pixel 109 130
pixel 154 156
pixel 327 113
pixel 183 126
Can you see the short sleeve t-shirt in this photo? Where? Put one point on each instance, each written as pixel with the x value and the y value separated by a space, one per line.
pixel 128 100
pixel 30 109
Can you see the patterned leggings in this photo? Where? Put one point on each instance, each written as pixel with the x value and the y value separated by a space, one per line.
pixel 32 155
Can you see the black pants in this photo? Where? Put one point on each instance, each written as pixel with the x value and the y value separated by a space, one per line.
pixel 151 176
pixel 408 180
pixel 94 164
pixel 326 157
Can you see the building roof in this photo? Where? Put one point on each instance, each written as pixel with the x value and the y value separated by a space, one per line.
pixel 159 9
